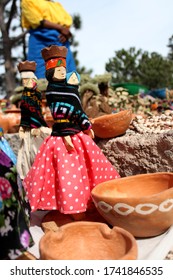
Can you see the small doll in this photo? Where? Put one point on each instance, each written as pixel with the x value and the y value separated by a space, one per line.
pixel 60 178
pixel 33 127
pixel 72 78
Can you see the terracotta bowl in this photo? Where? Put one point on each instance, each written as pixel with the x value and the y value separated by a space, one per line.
pixel 112 125
pixel 88 241
pixel 10 120
pixel 141 204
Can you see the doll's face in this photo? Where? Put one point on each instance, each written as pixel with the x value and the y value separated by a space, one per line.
pixel 59 73
pixel 73 80
pixel 29 83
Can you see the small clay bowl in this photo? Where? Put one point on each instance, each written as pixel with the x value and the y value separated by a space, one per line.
pixel 88 241
pixel 141 204
pixel 112 125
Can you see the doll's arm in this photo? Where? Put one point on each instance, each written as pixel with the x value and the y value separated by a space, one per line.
pixel 68 143
pixel 90 133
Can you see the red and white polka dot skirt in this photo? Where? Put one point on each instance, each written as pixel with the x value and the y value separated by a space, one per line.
pixel 63 180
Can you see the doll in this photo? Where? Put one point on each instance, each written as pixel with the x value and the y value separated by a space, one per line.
pixel 33 127
pixel 60 178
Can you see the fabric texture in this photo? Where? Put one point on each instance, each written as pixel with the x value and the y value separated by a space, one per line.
pixel 33 129
pixel 33 12
pixel 31 140
pixel 63 180
pixel 64 103
pixel 31 110
pixel 15 237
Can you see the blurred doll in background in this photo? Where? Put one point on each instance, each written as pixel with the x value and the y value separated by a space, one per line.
pixel 33 127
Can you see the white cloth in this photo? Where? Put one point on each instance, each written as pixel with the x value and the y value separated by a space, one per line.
pixel 31 139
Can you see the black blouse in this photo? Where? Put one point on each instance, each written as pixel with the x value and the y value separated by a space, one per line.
pixel 31 111
pixel 66 109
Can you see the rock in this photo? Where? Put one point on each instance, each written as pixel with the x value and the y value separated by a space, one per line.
pixel 133 154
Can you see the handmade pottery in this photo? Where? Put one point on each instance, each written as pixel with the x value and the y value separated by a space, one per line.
pixel 141 204
pixel 47 113
pixel 10 120
pixel 112 125
pixel 88 241
pixel 4 122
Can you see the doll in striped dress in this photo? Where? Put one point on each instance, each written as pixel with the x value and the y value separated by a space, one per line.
pixel 33 127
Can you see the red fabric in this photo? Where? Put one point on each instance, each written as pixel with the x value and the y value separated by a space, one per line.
pixel 63 180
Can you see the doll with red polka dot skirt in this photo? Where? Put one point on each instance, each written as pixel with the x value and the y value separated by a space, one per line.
pixel 69 164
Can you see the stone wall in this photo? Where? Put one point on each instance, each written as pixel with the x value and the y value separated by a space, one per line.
pixel 132 153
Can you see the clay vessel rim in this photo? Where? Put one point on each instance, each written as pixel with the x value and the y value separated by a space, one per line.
pixel 95 194
pixel 12 110
pixel 124 112
pixel 90 223
pixel 97 224
pixel 76 223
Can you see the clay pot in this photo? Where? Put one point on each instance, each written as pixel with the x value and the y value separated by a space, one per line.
pixel 141 204
pixel 44 106
pixel 4 122
pixel 49 120
pixel 112 125
pixel 13 117
pixel 10 121
pixel 88 241
pixel 47 113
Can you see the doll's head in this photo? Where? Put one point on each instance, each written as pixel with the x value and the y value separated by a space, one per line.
pixel 27 69
pixel 56 74
pixel 55 62
pixel 73 78
pixel 30 83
